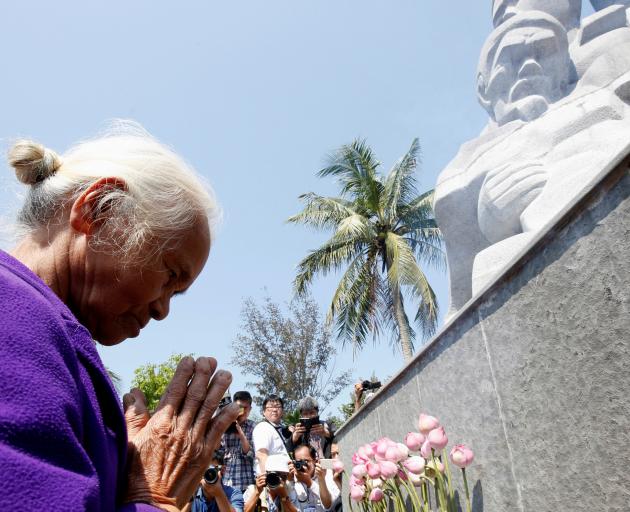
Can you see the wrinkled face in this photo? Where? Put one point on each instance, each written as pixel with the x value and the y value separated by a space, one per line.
pixel 303 453
pixel 273 411
pixel 114 302
pixel 529 70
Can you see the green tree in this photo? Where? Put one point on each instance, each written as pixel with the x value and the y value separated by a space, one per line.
pixel 291 355
pixel 382 229
pixel 153 379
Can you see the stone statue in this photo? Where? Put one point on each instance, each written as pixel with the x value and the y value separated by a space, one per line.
pixel 558 96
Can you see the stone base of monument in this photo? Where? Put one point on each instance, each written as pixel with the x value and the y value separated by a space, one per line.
pixel 534 373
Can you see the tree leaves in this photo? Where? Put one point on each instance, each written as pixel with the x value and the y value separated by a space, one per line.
pixel 291 355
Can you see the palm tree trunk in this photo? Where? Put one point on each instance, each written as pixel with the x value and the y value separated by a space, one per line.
pixel 403 327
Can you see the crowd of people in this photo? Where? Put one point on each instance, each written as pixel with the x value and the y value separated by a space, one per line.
pixel 271 466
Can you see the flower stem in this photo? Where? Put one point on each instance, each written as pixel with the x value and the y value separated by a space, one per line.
pixel 468 507
pixel 451 496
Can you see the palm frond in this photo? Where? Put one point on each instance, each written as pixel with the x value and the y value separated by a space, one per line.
pixel 355 167
pixel 403 271
pixel 390 321
pixel 329 257
pixel 323 212
pixel 400 184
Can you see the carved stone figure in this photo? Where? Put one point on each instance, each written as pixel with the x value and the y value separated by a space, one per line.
pixel 552 129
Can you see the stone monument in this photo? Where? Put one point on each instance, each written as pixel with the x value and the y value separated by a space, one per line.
pixel 557 90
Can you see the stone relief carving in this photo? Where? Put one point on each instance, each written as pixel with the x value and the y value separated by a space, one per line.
pixel 557 91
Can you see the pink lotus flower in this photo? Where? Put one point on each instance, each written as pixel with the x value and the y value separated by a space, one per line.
pixel 403 449
pixel 416 480
pixel 414 465
pixel 382 445
pixel 437 438
pixel 337 466
pixel 373 469
pixel 414 441
pixel 356 481
pixel 359 470
pixel 376 482
pixel 461 455
pixel 358 459
pixel 394 454
pixel 425 451
pixel 357 492
pixel 376 494
pixel 365 452
pixel 427 423
pixel 388 469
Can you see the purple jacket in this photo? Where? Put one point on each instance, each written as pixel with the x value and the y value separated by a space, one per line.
pixel 63 438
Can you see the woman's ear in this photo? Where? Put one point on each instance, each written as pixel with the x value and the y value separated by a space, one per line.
pixel 86 211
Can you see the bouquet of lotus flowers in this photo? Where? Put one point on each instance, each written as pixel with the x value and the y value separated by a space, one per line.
pixel 384 471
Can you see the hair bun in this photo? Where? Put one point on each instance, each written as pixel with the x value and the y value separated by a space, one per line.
pixel 32 161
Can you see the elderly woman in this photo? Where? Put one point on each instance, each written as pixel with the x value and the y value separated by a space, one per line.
pixel 111 231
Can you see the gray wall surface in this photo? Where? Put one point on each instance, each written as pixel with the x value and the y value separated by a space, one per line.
pixel 534 375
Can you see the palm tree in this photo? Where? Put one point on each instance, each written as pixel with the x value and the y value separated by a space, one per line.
pixel 382 228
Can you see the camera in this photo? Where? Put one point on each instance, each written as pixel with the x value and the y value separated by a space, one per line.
pixel 211 475
pixel 226 400
pixel 274 480
pixel 309 423
pixel 300 465
pixel 368 384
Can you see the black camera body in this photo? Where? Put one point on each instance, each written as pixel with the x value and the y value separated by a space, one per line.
pixel 309 423
pixel 368 384
pixel 274 480
pixel 225 401
pixel 211 475
pixel 300 465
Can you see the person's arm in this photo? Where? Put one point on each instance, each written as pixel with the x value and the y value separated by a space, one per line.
pixel 256 490
pixel 286 504
pixel 245 445
pixel 298 431
pixel 262 455
pixel 324 493
pixel 214 492
pixel 358 394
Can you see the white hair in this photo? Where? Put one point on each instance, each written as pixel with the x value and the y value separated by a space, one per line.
pixel 162 199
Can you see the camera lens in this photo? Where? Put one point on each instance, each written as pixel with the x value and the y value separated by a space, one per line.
pixel 211 475
pixel 273 480
pixel 300 465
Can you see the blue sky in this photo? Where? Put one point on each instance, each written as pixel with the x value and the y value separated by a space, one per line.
pixel 254 95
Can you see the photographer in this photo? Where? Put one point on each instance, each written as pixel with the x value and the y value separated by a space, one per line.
pixel 212 495
pixel 238 445
pixel 270 436
pixel 310 430
pixel 312 490
pixel 272 491
pixel 360 387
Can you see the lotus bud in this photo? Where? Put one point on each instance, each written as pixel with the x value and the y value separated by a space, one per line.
pixel 414 441
pixel 461 455
pixel 373 469
pixel 414 465
pixel 388 469
pixel 425 451
pixel 376 494
pixel 394 454
pixel 337 466
pixel 427 423
pixel 382 445
pixel 437 438
pixel 376 482
pixel 358 459
pixel 359 470
pixel 357 492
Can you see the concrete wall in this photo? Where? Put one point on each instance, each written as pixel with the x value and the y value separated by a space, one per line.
pixel 534 374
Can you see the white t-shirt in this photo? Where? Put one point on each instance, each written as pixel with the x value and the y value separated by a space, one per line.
pixel 309 499
pixel 266 437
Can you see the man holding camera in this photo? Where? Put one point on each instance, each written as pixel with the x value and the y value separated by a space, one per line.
pixel 311 430
pixel 238 445
pixel 212 495
pixel 270 436
pixel 272 491
pixel 312 490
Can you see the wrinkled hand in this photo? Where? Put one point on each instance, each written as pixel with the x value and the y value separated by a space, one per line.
pixel 169 451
